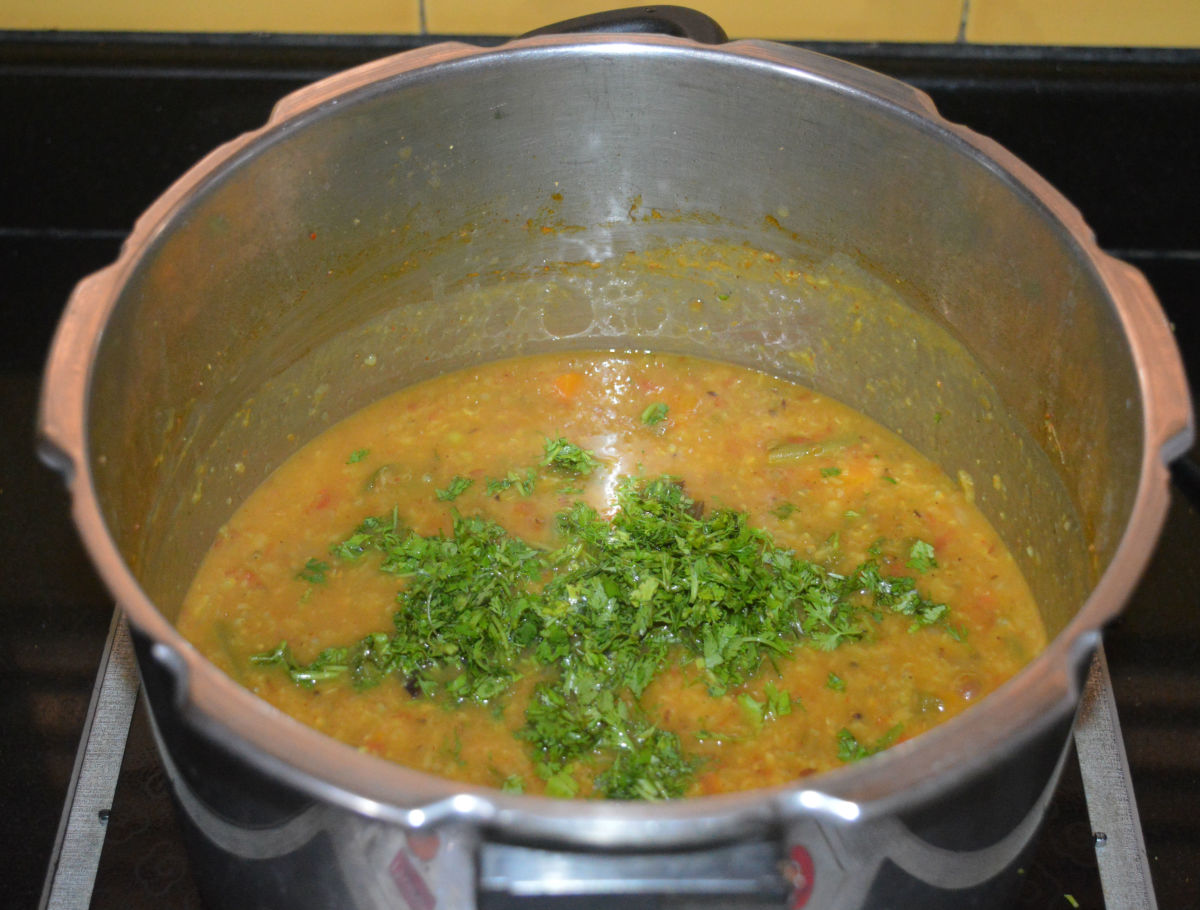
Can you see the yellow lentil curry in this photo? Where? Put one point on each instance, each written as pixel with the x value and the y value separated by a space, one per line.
pixel 601 575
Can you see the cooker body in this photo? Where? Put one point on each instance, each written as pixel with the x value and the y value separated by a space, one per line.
pixel 749 203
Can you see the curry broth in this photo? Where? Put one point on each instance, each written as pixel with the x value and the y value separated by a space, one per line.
pixel 821 479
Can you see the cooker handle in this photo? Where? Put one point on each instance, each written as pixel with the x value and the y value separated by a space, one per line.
pixel 754 874
pixel 677 21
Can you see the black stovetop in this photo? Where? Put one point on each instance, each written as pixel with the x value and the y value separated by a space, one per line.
pixel 96 128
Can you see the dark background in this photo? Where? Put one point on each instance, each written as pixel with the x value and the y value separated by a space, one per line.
pixel 95 127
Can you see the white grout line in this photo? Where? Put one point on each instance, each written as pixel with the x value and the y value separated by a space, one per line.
pixel 72 871
pixel 1112 806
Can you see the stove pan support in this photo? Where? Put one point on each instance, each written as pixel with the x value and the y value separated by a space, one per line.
pixel 76 857
pixel 1108 788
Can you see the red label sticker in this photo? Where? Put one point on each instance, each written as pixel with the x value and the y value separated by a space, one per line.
pixel 410 883
pixel 802 875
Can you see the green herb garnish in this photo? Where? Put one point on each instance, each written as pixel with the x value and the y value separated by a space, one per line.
pixel 656 413
pixel 958 633
pixel 524 482
pixel 752 708
pixel 850 749
pixel 921 557
pixel 567 456
pixel 779 702
pixel 835 682
pixel 457 486
pixel 899 594
pixel 784 510
pixel 597 618
pixel 313 572
pixel 514 783
pixel 830 472
pixel 358 455
pixel 360 662
pixel 559 783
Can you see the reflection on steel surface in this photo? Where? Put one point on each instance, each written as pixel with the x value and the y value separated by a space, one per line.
pixel 834 865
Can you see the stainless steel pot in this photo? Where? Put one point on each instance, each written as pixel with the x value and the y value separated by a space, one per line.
pixel 748 201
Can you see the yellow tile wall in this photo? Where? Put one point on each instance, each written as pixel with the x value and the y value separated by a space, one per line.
pixel 1120 23
pixel 315 16
pixel 1096 22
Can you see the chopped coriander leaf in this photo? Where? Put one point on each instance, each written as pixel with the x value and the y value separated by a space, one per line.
pixel 514 783
pixel 656 413
pixel 464 613
pixel 830 472
pixel 457 486
pixel 619 600
pixel 836 683
pixel 752 708
pixel 524 482
pixel 779 702
pixel 566 456
pixel 654 768
pixel 850 749
pixel 561 785
pixel 890 479
pixel 358 455
pixel 367 535
pixel 331 663
pixel 899 594
pixel 921 557
pixel 313 572
pixel 784 510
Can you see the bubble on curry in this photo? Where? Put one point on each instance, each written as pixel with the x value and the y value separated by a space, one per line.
pixel 613 575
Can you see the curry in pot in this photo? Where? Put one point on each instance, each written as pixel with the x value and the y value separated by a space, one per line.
pixel 629 576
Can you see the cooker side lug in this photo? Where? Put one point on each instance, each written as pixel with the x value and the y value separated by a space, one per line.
pixel 61 441
pixel 1170 428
